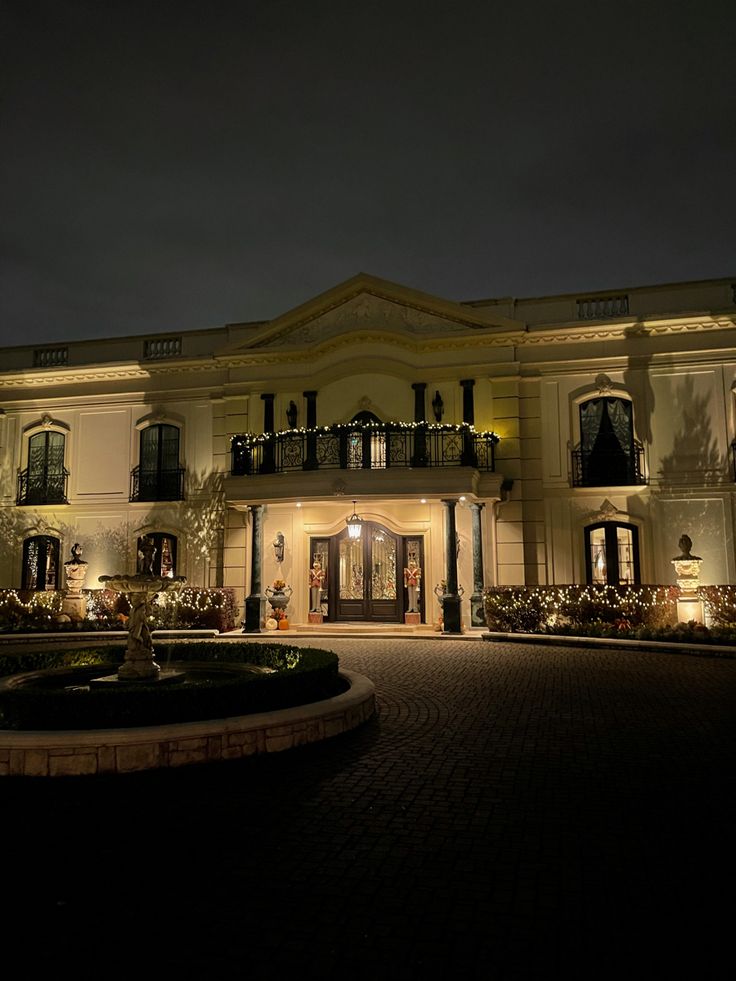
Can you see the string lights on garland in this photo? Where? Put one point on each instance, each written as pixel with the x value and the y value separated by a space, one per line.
pixel 251 439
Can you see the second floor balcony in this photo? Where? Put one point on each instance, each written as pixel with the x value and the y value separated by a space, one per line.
pixel 157 484
pixel 42 486
pixel 360 446
pixel 619 468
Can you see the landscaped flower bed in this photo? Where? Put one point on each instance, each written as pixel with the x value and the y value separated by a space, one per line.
pixel 296 676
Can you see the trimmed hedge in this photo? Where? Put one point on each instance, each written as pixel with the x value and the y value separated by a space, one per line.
pixel 301 675
pixel 191 607
pixel 565 609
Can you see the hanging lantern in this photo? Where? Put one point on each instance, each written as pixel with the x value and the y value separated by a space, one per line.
pixel 355 524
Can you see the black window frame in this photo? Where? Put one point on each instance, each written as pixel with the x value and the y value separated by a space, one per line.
pixel 613 577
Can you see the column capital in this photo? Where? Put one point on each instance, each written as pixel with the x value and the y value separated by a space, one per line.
pixel 467 382
pixel 419 386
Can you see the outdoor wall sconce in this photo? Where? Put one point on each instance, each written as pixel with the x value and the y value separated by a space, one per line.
pixel 438 406
pixel 291 414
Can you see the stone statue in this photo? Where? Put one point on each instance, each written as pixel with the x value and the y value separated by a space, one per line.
pixel 278 546
pixel 316 584
pixel 76 558
pixel 412 581
pixel 685 545
pixel 74 604
pixel 139 633
pixel 146 554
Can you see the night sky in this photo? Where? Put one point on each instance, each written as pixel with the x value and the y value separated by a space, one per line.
pixel 168 166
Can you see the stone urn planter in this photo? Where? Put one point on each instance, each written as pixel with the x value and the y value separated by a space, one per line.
pixel 278 595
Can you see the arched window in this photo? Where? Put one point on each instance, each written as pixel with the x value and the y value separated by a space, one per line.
pixel 612 554
pixel 158 549
pixel 361 444
pixel 158 476
pixel 44 481
pixel 41 563
pixel 608 454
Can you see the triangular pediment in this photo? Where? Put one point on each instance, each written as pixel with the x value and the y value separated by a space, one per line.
pixel 366 304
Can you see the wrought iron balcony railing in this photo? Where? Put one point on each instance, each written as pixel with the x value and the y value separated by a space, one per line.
pixel 596 469
pixel 355 446
pixel 157 485
pixel 42 487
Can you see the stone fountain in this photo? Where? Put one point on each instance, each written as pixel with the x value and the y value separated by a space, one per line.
pixel 139 664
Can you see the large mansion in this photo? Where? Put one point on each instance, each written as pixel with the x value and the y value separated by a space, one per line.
pixel 557 439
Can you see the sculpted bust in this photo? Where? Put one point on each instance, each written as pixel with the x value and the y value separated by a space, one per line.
pixel 685 545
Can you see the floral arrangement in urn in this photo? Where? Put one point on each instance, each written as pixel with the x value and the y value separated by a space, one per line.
pixel 279 594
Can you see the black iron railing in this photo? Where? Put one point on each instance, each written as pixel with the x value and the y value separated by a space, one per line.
pixel 363 447
pixel 596 469
pixel 42 487
pixel 157 485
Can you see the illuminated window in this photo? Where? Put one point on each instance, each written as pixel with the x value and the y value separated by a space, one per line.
pixel 360 443
pixel 612 554
pixel 41 563
pixel 161 549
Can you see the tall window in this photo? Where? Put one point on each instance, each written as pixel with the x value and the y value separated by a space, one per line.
pixel 612 554
pixel 158 477
pixel 41 563
pixel 361 444
pixel 608 453
pixel 44 481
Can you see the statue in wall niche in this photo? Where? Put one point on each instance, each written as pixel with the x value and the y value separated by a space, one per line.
pixel 278 546
pixel 146 554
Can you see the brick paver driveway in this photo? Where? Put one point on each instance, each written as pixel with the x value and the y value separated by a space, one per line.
pixel 512 812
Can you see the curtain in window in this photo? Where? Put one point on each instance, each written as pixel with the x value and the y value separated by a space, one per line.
pixel 619 412
pixel 591 414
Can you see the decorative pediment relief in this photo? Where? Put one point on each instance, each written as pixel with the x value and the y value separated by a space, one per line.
pixel 363 313
pixel 370 306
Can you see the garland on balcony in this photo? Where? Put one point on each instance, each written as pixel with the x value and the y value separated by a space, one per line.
pixel 249 439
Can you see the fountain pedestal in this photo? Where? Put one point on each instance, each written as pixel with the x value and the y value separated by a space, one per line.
pixel 139 664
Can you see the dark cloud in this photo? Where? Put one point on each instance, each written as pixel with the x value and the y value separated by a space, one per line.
pixel 175 165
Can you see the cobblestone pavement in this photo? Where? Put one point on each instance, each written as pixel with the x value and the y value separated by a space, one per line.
pixel 512 812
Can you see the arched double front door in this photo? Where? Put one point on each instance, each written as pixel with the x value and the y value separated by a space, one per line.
pixel 365 576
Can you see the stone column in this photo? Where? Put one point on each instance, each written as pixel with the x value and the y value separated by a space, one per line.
pixel 468 458
pixel 268 462
pixel 254 603
pixel 310 461
pixel 477 613
pixel 419 456
pixel 451 598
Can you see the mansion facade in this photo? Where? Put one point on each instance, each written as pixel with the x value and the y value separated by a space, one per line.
pixel 375 429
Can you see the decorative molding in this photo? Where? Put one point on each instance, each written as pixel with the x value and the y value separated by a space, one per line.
pixel 264 357
pixel 603 383
pixel 607 512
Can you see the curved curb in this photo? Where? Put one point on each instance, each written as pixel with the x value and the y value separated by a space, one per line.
pixel 77 753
